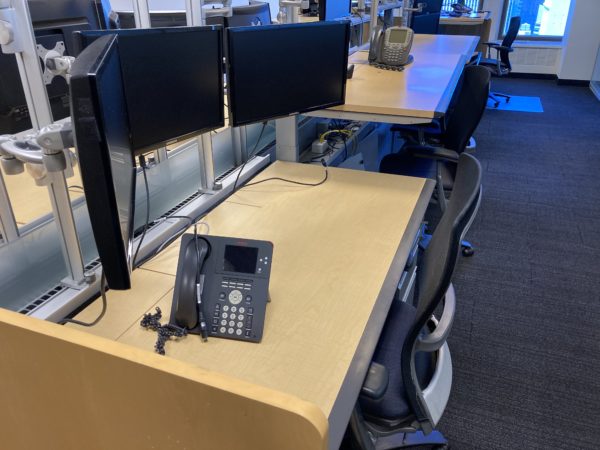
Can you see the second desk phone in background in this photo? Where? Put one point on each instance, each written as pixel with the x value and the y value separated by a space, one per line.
pixel 390 48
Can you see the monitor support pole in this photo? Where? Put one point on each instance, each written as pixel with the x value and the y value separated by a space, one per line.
pixel 195 16
pixel 16 36
pixel 286 129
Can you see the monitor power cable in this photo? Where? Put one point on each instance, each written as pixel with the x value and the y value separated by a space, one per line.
pixel 143 165
pixel 102 312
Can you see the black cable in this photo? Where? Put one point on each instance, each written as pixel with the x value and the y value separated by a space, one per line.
pixel 250 155
pixel 102 312
pixel 143 164
pixel 292 181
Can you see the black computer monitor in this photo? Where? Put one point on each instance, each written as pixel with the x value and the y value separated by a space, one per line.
pixel 271 74
pixel 132 91
pixel 101 125
pixel 173 82
pixel 334 9
pixel 53 21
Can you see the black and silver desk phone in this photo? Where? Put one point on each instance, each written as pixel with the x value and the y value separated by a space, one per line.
pixel 222 286
pixel 390 48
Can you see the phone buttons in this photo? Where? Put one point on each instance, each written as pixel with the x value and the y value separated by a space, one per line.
pixel 248 298
pixel 240 324
pixel 235 297
pixel 233 309
pixel 223 322
pixel 222 296
pixel 242 310
pixel 222 330
pixel 225 308
pixel 230 331
pixel 231 323
pixel 224 315
pixel 238 332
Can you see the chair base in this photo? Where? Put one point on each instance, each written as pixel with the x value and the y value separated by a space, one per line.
pixel 408 440
pixel 494 97
pixel 467 248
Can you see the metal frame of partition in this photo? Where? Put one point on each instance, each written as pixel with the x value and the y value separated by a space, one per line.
pixel 81 284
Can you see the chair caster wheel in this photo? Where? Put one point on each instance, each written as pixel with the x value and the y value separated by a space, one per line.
pixel 468 251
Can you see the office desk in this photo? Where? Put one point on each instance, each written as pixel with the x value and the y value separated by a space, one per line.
pixel 339 252
pixel 418 94
pixel 466 19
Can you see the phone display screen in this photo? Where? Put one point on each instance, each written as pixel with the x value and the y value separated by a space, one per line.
pixel 240 259
pixel 398 36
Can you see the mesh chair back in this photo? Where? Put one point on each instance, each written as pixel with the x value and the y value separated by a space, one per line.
pixel 509 38
pixel 468 109
pixel 439 261
pixel 426 23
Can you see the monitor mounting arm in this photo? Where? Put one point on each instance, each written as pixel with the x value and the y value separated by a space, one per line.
pixel 17 37
pixel 44 148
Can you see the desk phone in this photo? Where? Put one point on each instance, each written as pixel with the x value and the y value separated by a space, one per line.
pixel 222 286
pixel 390 48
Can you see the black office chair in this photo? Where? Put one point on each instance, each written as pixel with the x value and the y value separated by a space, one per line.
pixel 500 65
pixel 408 384
pixel 428 20
pixel 428 23
pixel 439 162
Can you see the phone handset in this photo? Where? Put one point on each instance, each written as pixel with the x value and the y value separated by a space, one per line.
pixel 375 45
pixel 188 304
pixel 461 9
pixel 390 48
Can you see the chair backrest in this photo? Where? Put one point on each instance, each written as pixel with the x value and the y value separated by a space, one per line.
pixel 432 6
pixel 438 262
pixel 426 23
pixel 509 38
pixel 468 109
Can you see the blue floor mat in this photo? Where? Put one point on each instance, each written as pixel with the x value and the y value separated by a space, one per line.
pixel 517 103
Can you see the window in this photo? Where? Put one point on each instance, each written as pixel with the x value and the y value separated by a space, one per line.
pixel 473 4
pixel 540 19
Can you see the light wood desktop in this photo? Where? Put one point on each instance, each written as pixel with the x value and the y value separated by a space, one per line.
pixel 340 249
pixel 418 94
pixel 30 201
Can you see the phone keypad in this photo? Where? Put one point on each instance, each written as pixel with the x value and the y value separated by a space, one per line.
pixel 233 316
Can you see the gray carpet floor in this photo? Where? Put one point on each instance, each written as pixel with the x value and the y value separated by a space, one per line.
pixel 526 340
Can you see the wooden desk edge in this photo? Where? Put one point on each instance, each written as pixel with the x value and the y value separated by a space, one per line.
pixel 52 355
pixel 352 384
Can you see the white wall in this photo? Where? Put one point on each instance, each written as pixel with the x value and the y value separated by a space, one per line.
pixel 581 42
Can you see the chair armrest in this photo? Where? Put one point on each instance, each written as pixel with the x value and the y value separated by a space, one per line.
pixel 376 382
pixel 502 48
pixel 434 341
pixel 475 59
pixel 425 151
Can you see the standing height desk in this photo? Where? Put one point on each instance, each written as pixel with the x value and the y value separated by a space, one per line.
pixel 339 252
pixel 419 94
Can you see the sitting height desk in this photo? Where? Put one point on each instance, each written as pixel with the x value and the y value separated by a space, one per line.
pixel 339 252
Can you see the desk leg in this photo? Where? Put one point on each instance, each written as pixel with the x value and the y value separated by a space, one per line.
pixel 206 159
pixel 286 139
